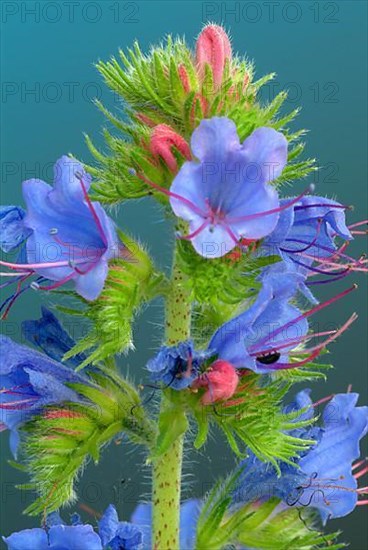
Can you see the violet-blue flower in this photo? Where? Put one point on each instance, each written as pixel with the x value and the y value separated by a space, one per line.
pixel 29 381
pixel 112 535
pixel 70 238
pixel 47 334
pixel 305 238
pixel 262 337
pixel 326 477
pixel 189 514
pixel 225 195
pixel 177 366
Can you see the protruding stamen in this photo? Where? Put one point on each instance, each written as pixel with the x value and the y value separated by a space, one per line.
pixel 333 337
pixel 173 195
pixel 54 231
pixel 316 308
pixel 92 210
pixel 16 295
pixel 274 210
pixel 55 285
pixel 41 265
pixel 361 473
pixel 195 232
pixel 15 274
pixel 358 224
pixel 323 400
pixel 359 464
pixel 292 342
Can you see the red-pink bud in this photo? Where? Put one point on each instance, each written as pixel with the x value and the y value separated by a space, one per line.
pixel 183 75
pixel 213 48
pixel 53 414
pixel 221 381
pixel 146 120
pixel 162 140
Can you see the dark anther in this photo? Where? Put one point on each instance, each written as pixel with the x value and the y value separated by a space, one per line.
pixel 269 358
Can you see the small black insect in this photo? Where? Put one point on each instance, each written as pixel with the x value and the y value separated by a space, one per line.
pixel 269 358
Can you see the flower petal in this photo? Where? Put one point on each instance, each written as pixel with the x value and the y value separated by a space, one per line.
pixel 90 285
pixel 77 537
pixel 66 183
pixel 12 230
pixel 214 139
pixel 35 539
pixel 108 524
pixel 266 151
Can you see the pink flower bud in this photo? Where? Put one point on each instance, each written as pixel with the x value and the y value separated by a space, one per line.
pixel 221 381
pixel 163 139
pixel 183 75
pixel 213 48
pixel 145 120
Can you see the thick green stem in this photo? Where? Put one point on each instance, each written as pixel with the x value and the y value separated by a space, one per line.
pixel 166 483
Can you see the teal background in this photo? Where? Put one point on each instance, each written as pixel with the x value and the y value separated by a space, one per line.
pixel 318 50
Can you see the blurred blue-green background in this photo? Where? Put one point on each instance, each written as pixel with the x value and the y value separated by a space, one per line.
pixel 319 52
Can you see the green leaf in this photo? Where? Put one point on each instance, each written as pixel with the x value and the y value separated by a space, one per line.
pixel 130 284
pixel 57 444
pixel 172 424
pixel 260 525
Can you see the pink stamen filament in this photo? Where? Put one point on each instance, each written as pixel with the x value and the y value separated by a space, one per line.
pixel 3 274
pixel 291 342
pixel 323 400
pixel 362 502
pixel 269 212
pixel 22 403
pixel 328 262
pixel 332 486
pixel 45 265
pixel 173 195
pixel 16 294
pixel 315 309
pixel 13 391
pixel 196 232
pixel 316 270
pixel 358 224
pixel 92 210
pixel 327 249
pixel 55 285
pixel 232 235
pixel 359 464
pixel 336 334
pixel 361 473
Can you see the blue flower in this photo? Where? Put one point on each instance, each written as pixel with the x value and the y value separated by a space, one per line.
pixel 47 334
pixel 118 535
pixel 29 381
pixel 12 230
pixel 113 535
pixel 177 366
pixel 305 239
pixel 260 338
pixel 189 514
pixel 225 195
pixel 324 478
pixel 68 237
